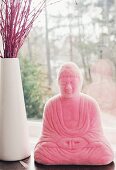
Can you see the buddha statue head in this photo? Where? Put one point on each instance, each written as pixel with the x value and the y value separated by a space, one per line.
pixel 69 80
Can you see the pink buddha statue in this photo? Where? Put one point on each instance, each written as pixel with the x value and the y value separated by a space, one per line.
pixel 72 131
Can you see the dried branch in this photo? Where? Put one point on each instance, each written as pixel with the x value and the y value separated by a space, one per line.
pixel 16 21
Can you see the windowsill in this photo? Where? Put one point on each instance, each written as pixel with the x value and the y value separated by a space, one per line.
pixel 35 128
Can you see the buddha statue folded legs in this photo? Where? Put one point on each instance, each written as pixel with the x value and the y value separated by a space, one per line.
pixel 72 131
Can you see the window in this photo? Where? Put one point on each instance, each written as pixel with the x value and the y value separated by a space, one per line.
pixel 83 32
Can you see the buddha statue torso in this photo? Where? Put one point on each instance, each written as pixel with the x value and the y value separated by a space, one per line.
pixel 70 112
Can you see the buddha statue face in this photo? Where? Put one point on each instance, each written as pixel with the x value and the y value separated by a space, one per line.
pixel 69 80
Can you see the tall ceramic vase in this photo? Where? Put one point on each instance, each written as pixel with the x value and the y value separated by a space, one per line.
pixel 14 139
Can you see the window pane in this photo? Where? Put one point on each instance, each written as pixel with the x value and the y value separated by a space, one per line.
pixel 80 31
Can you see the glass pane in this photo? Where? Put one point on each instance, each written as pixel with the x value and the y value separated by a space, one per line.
pixel 80 31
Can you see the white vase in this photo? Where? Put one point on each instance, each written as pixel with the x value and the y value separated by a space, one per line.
pixel 14 139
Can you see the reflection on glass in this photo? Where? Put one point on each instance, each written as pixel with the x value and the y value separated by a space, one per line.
pixel 103 88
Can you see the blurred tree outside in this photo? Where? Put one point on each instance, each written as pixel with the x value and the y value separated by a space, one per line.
pixel 36 90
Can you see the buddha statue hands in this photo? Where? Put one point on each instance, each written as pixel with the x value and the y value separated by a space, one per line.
pixel 72 131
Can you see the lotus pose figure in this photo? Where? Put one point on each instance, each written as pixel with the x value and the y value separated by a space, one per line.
pixel 72 131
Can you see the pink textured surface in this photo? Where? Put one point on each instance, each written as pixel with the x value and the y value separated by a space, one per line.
pixel 72 131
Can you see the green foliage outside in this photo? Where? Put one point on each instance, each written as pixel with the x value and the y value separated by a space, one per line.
pixel 36 90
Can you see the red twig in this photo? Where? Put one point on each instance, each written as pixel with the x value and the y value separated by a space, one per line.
pixel 16 20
